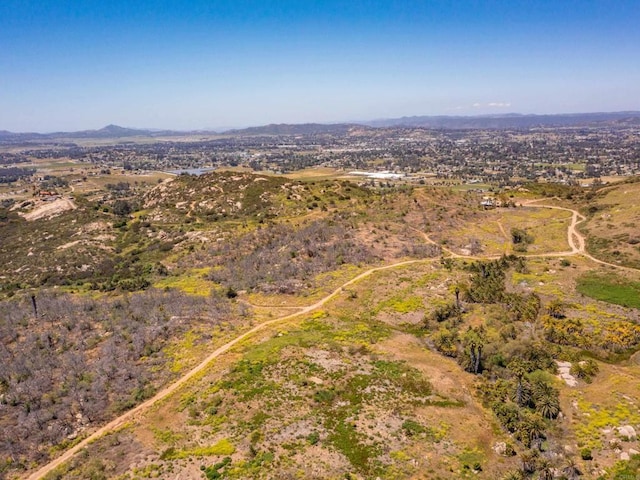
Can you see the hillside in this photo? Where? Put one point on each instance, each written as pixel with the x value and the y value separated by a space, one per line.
pixel 612 227
pixel 297 129
pixel 319 329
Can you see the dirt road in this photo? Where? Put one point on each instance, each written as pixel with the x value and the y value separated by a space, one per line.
pixel 126 417
pixel 574 238
pixel 573 235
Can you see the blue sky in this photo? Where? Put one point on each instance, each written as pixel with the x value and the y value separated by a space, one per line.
pixel 69 65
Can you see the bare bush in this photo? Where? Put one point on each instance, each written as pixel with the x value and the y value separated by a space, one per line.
pixel 81 361
pixel 283 259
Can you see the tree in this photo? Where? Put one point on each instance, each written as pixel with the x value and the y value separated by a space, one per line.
pixel 545 469
pixel 528 461
pixel 475 247
pixel 520 239
pixel 585 369
pixel 522 393
pixel 473 341
pixel 571 470
pixel 508 414
pixel 445 342
pixel 440 314
pixel 513 475
pixel 545 398
pixel 122 208
pixel 531 429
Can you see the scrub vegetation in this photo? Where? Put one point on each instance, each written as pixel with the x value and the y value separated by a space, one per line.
pixel 397 331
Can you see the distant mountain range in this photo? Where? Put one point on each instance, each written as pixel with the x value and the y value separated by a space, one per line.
pixel 297 129
pixel 505 121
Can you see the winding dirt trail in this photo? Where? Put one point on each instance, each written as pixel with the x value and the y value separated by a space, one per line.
pixel 573 236
pixel 131 414
pixel 575 240
pixel 576 243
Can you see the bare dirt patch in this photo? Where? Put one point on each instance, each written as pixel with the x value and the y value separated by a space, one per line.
pixel 50 209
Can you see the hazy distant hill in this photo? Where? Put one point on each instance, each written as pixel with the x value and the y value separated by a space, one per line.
pixel 6 136
pixel 296 129
pixel 110 131
pixel 511 120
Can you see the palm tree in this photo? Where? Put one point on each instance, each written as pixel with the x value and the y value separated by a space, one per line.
pixel 546 401
pixel 545 470
pixel 522 394
pixel 530 430
pixel 571 470
pixel 474 340
pixel 548 406
pixel 528 460
pixel 513 475
pixel 556 309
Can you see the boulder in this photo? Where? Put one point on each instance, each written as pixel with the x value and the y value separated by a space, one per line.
pixel 500 448
pixel 627 431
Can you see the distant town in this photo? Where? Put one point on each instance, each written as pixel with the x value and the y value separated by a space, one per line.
pixel 575 155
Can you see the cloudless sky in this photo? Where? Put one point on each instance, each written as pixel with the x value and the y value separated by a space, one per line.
pixel 82 64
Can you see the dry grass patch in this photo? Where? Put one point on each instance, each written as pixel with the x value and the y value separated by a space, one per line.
pixel 614 224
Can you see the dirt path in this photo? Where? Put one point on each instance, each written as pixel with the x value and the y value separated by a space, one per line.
pixel 128 416
pixel 573 235
pixel 574 238
pixel 504 234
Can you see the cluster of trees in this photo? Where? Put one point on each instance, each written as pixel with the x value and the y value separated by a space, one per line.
pixel 7 158
pixel 285 259
pixel 513 362
pixel 13 174
pixel 69 362
pixel 118 187
pixel 604 338
pixel 52 182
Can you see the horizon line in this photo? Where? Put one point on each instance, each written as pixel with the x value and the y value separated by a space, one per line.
pixel 221 130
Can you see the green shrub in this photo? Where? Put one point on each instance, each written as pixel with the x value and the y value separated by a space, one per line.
pixel 313 438
pixel 585 454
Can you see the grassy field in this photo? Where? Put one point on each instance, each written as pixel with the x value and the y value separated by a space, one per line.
pixel 610 288
pixel 492 228
pixel 192 282
pixel 612 227
pixel 316 173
